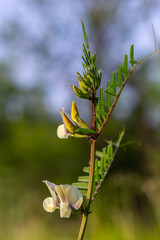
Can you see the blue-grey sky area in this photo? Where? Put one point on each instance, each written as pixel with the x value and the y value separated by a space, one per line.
pixel 41 41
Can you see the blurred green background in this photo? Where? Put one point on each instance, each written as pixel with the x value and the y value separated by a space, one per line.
pixel 40 49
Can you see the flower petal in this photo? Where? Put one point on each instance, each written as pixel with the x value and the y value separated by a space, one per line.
pixel 73 196
pixel 61 132
pixel 60 193
pixel 77 204
pixel 61 111
pixel 48 204
pixel 68 123
pixel 51 187
pixel 70 194
pixel 65 210
pixel 75 117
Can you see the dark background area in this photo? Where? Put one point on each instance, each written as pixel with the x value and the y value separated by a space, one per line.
pixel 40 50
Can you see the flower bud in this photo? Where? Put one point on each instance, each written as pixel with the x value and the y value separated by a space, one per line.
pixel 75 117
pixel 98 80
pixel 79 92
pixel 69 125
pixel 83 87
pixel 74 111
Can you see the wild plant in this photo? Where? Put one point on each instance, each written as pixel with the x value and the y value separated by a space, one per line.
pixel 79 196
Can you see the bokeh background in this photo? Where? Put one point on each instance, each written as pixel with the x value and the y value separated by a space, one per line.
pixel 40 53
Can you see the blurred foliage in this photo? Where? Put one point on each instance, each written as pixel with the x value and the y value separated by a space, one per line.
pixel 128 204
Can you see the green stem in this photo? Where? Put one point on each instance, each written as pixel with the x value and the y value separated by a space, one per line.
pixel 90 183
pixel 89 193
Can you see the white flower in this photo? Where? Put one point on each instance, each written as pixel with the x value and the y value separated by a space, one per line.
pixel 66 197
pixel 62 131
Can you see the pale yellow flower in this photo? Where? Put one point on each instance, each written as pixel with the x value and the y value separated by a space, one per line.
pixel 65 197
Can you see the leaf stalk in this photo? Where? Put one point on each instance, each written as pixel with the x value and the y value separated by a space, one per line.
pixel 119 93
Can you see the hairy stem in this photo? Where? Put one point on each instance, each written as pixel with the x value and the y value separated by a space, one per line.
pixel 91 178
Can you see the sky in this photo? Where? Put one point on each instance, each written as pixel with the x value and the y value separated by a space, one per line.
pixel 53 30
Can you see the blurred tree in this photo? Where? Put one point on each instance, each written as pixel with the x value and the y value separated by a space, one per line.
pixel 40 44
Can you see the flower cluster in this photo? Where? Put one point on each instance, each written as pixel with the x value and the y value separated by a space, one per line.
pixel 67 197
pixel 72 126
pixel 64 197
